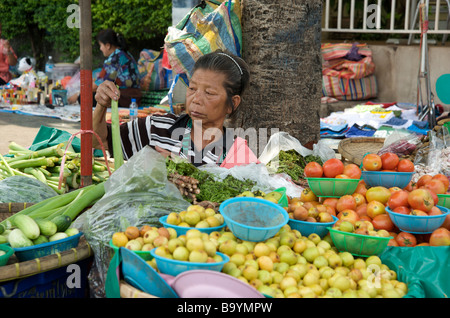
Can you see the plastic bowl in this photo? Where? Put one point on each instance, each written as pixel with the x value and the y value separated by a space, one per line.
pixel 358 244
pixel 36 251
pixel 173 267
pixel 444 200
pixel 145 255
pixel 181 230
pixel 332 187
pixel 9 251
pixel 307 228
pixel 253 219
pixel 284 200
pixel 418 224
pixel 386 179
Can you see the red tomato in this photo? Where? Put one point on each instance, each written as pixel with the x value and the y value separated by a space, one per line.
pixel 435 185
pixel 440 237
pixel 421 199
pixel 313 170
pixel 372 162
pixel 406 239
pixel 444 179
pixel 423 179
pixel 333 167
pixel 346 202
pixel 389 161
pixel 405 165
pixel 361 188
pixel 398 198
pixel 392 242
pixel 383 222
pixel 352 171
pixel 402 210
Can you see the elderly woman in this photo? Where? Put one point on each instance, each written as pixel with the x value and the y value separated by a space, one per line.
pixel 215 90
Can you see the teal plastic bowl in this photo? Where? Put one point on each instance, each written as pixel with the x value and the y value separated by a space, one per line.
pixel 36 251
pixel 173 267
pixel 386 179
pixel 418 224
pixel 181 230
pixel 308 228
pixel 9 251
pixel 253 219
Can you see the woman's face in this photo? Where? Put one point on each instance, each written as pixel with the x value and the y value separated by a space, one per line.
pixel 206 98
pixel 105 48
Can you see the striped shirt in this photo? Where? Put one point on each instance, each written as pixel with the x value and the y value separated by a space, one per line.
pixel 168 132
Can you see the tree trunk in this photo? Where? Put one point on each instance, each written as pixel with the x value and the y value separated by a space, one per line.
pixel 281 44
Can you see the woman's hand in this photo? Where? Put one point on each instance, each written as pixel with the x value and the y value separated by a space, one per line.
pixel 163 152
pixel 106 92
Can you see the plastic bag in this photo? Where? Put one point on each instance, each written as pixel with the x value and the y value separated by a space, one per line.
pixel 73 86
pixel 400 144
pixel 428 159
pixel 283 141
pixel 258 173
pixel 137 193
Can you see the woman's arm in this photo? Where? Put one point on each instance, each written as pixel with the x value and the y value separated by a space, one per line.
pixel 106 92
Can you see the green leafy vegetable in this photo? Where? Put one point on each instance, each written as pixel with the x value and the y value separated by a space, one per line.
pixel 293 164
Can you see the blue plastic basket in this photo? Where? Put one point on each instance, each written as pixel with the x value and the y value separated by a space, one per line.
pixel 253 219
pixel 386 179
pixel 418 224
pixel 307 228
pixel 28 253
pixel 181 230
pixel 173 267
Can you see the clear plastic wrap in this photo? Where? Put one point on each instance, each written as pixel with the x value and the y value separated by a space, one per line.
pixel 432 158
pixel 400 144
pixel 137 193
pixel 258 173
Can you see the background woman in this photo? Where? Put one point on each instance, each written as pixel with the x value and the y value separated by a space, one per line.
pixel 119 68
pixel 215 91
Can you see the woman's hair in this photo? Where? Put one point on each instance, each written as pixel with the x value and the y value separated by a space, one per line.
pixel 109 36
pixel 235 69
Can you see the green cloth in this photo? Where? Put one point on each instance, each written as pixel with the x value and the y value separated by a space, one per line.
pixel 48 137
pixel 425 269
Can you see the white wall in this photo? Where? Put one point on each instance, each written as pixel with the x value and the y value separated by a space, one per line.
pixel 397 70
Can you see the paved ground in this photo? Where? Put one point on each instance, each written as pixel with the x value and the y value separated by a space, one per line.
pixel 22 129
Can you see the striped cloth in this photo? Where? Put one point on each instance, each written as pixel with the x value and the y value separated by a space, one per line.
pixel 167 132
pixel 350 89
pixel 217 26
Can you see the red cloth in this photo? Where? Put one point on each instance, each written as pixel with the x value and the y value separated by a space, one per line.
pixel 384 105
pixel 239 154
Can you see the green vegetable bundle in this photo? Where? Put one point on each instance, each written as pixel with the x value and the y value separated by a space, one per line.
pixel 45 166
pixel 209 187
pixel 293 164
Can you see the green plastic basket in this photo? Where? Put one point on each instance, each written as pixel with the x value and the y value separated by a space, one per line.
pixel 332 187
pixel 358 244
pixel 145 255
pixel 444 200
pixel 284 200
pixel 9 251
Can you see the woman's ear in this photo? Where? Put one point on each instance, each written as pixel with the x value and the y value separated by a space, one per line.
pixel 236 100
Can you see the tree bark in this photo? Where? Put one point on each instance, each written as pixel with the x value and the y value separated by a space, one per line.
pixel 281 44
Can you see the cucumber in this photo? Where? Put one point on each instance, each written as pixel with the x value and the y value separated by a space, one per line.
pixel 62 222
pixel 28 226
pixel 58 236
pixel 47 227
pixel 2 228
pixel 6 233
pixel 71 231
pixel 18 239
pixel 41 239
pixel 3 239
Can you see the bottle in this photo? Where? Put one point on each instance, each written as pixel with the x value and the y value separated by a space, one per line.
pixel 49 65
pixel 133 109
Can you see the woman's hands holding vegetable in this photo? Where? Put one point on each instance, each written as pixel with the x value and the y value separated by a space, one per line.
pixel 106 92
